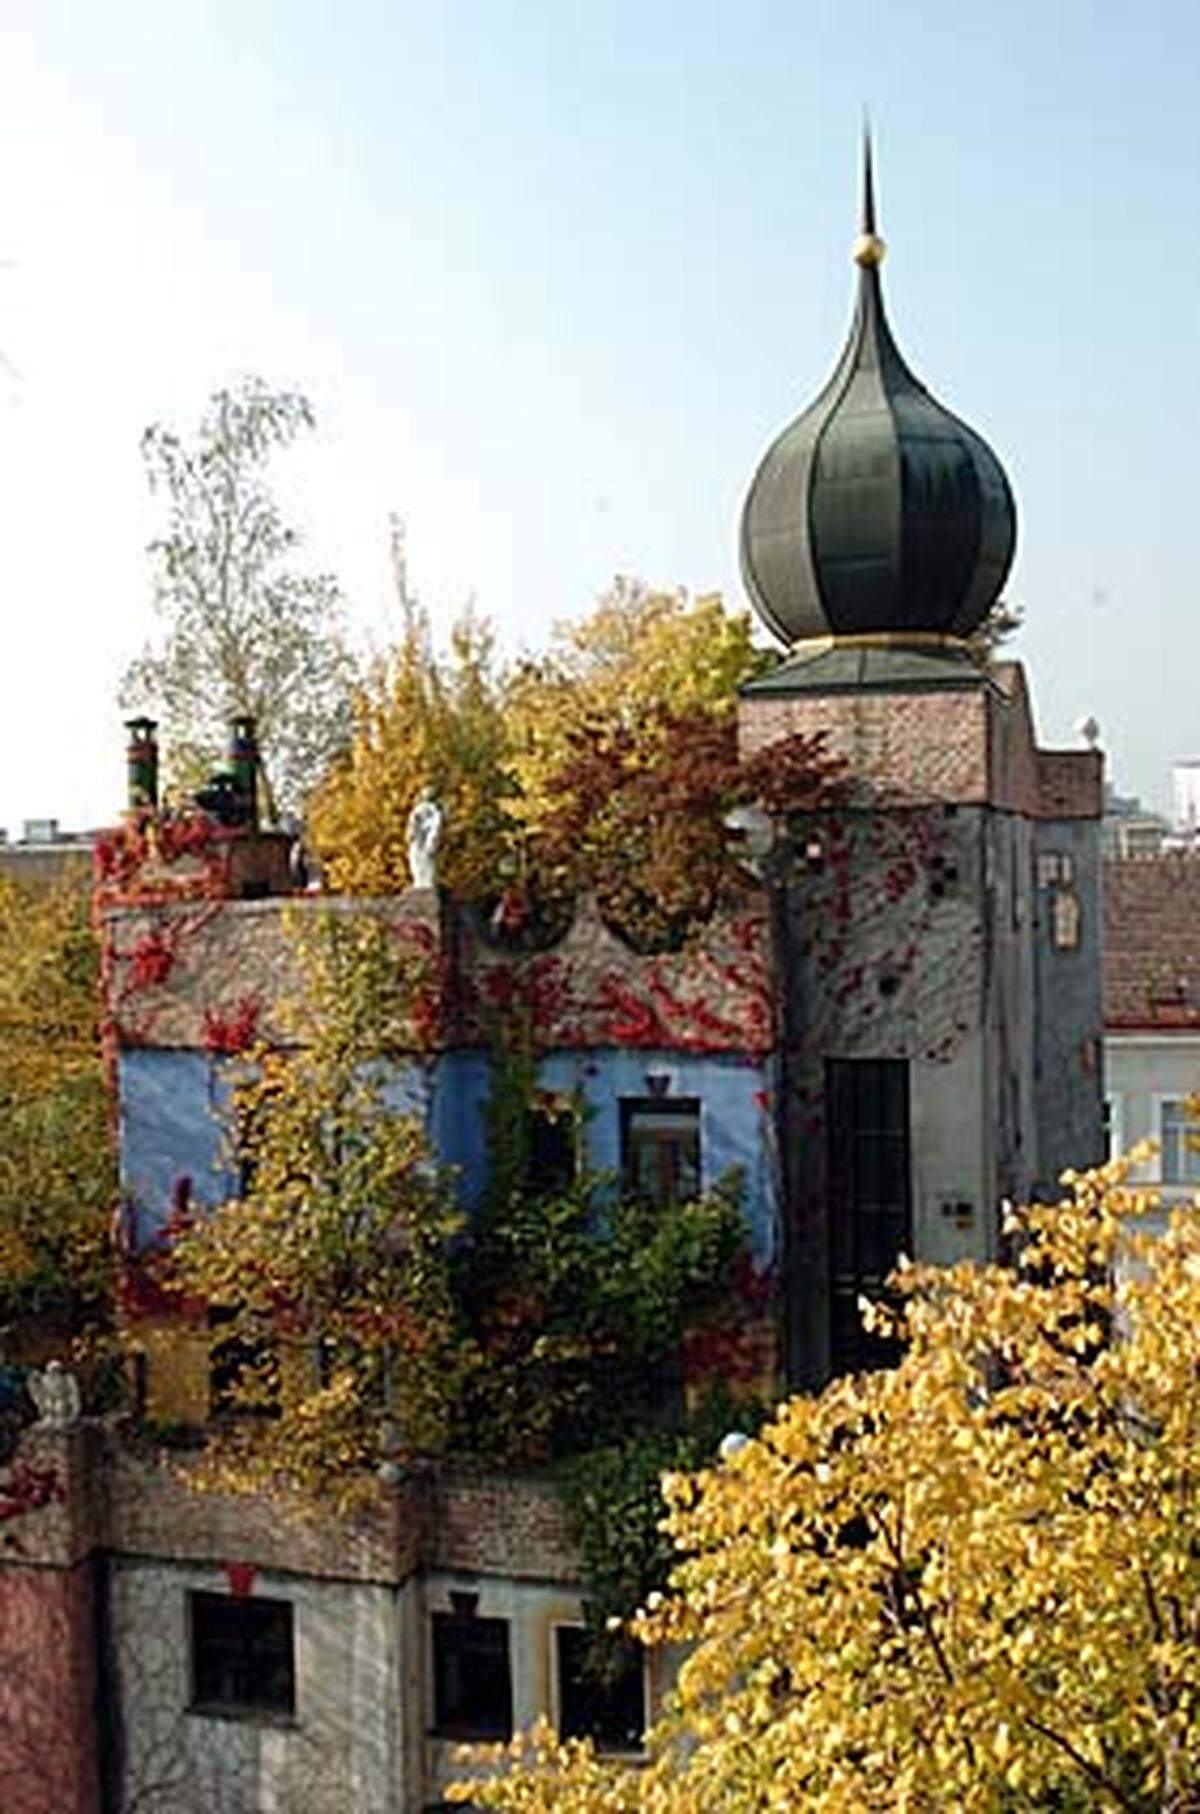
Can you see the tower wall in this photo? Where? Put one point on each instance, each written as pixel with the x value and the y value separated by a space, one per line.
pixel 914 932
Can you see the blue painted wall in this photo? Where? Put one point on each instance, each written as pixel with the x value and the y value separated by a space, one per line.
pixel 169 1124
pixel 736 1124
pixel 171 1102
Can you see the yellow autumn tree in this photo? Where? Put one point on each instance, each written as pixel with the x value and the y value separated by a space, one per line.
pixel 421 722
pixel 971 1582
pixel 493 740
pixel 325 1281
pixel 642 659
pixel 57 1169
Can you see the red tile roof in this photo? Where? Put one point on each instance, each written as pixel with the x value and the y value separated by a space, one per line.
pixel 1152 942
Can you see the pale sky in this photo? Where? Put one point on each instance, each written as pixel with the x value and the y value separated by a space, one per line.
pixel 554 274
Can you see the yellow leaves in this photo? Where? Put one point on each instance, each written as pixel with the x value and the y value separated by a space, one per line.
pixel 57 1175
pixel 495 741
pixel 421 721
pixel 332 1267
pixel 970 1583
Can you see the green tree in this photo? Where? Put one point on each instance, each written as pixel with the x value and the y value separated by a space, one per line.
pixel 245 629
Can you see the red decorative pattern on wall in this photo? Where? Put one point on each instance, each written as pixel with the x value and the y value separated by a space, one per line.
pixel 225 1035
pixel 26 1487
pixel 210 976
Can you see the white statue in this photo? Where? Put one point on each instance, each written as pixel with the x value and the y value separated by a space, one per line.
pixel 55 1393
pixel 424 836
pixel 756 833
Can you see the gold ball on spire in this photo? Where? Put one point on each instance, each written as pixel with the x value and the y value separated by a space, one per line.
pixel 869 250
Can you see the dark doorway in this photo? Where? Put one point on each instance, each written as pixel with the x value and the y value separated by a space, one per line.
pixel 870 1197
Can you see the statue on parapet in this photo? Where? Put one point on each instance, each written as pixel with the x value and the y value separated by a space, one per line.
pixel 55 1394
pixel 424 836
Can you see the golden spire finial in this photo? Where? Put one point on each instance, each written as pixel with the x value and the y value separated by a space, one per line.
pixel 869 250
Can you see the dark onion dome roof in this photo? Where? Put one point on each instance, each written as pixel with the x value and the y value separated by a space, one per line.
pixel 877 512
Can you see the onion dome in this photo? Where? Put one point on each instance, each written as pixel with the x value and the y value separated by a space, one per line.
pixel 877 515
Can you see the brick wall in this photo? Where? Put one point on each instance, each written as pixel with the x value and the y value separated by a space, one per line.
pixel 913 747
pixel 48 1741
pixel 973 746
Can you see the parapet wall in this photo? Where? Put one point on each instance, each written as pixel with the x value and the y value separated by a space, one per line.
pixel 216 975
pixel 99 1488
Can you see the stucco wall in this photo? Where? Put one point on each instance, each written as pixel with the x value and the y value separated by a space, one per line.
pixel 362 1739
pixel 1142 1070
pixel 339 1754
pixel 363 1590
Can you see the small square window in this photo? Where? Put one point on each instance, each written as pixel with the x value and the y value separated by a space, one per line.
pixel 242 1654
pixel 472 1676
pixel 660 1148
pixel 609 1709
pixel 1055 867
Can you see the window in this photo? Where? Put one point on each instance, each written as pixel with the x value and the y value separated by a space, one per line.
pixel 609 1709
pixel 472 1674
pixel 1054 867
pixel 1180 1144
pixel 867 1118
pixel 242 1655
pixel 242 1370
pixel 1064 921
pixel 550 1165
pixel 660 1148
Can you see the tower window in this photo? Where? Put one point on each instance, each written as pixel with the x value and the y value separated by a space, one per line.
pixel 242 1655
pixel 660 1148
pixel 1055 868
pixel 870 1196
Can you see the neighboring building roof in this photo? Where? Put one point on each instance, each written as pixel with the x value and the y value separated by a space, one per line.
pixel 876 510
pixel 1152 943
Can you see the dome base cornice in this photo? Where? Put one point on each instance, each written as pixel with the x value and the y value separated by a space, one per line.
pixel 878 639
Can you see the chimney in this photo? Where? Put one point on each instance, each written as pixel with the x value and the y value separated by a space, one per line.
pixel 243 768
pixel 142 759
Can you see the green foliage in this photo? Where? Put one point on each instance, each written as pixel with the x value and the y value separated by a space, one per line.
pixel 57 1162
pixel 579 1305
pixel 579 1299
pixel 615 1504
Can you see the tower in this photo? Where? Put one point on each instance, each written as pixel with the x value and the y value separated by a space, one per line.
pixel 938 930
